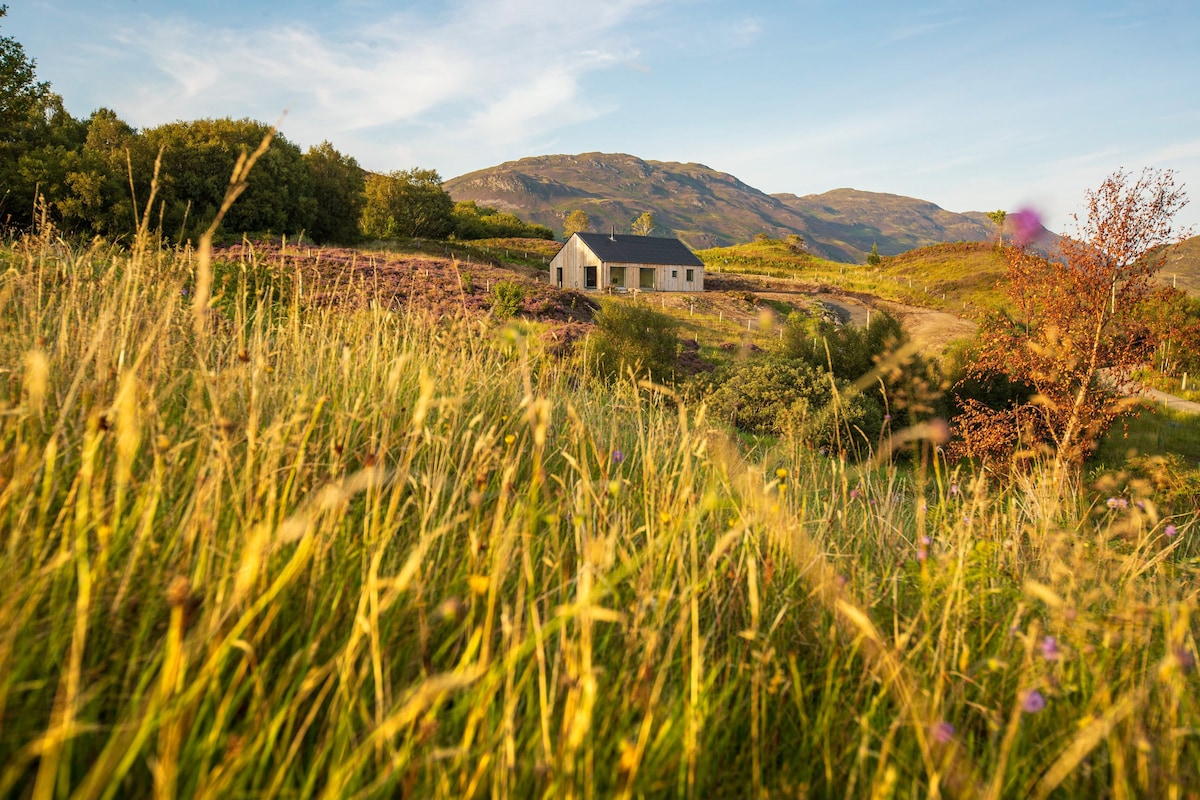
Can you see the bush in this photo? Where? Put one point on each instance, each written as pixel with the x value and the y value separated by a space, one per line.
pixel 507 298
pixel 633 336
pixel 778 396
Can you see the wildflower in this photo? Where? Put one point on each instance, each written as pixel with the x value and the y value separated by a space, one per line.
pixel 954 490
pixel 1185 659
pixel 1170 530
pixel 781 473
pixel 1117 502
pixel 887 417
pixel 478 584
pixel 617 456
pixel 1034 702
pixel 943 732
pixel 509 439
pixel 922 554
pixel 854 494
pixel 925 540
pixel 1026 224
pixel 1050 650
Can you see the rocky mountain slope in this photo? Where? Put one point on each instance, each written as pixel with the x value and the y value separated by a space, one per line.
pixel 707 208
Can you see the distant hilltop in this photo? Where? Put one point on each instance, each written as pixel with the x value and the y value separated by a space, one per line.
pixel 707 208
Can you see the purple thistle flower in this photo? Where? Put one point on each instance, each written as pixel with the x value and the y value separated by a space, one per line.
pixel 1034 702
pixel 922 554
pixel 943 732
pixel 1026 225
pixel 854 494
pixel 953 489
pixel 618 456
pixel 1117 502
pixel 1170 530
pixel 1050 650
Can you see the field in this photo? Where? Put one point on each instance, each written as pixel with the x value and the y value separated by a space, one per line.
pixel 329 536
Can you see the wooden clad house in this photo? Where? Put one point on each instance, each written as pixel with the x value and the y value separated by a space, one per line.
pixel 621 262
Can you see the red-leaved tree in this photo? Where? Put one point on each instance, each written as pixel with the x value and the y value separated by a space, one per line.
pixel 1075 330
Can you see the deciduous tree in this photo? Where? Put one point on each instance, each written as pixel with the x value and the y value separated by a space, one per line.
pixel 998 216
pixel 407 203
pixel 339 186
pixel 576 222
pixel 643 225
pixel 1074 332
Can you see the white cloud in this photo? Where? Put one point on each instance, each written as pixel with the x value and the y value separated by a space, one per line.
pixel 489 70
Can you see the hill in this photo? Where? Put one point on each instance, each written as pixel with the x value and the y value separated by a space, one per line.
pixel 706 208
pixel 1182 267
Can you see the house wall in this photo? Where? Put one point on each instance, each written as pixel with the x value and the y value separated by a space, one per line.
pixel 575 256
pixel 572 258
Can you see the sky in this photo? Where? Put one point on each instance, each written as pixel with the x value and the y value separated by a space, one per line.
pixel 971 105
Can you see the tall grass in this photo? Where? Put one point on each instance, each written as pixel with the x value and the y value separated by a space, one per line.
pixel 313 551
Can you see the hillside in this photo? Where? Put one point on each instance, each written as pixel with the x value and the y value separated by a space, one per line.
pixel 1182 267
pixel 706 208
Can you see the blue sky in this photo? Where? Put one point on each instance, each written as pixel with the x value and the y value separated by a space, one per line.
pixel 973 106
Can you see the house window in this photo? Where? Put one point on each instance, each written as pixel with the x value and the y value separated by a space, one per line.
pixel 589 277
pixel 616 277
pixel 674 273
pixel 689 275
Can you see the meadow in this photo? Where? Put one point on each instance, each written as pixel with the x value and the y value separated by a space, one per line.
pixel 290 548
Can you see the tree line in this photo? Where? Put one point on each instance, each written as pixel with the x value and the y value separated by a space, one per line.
pixel 93 177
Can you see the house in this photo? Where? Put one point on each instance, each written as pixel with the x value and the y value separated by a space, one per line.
pixel 619 262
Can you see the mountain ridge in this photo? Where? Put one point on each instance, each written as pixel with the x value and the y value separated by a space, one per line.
pixel 706 208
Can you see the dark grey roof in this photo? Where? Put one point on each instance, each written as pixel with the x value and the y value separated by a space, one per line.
pixel 623 248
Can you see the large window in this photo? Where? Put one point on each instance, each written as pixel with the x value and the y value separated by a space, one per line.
pixel 616 277
pixel 646 280
pixel 589 277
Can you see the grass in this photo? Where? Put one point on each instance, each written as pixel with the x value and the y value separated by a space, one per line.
pixel 277 550
pixel 962 277
pixel 1154 431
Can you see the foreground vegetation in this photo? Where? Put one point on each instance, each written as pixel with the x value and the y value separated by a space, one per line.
pixel 285 549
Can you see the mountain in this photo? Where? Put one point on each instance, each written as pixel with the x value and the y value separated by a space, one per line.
pixel 707 208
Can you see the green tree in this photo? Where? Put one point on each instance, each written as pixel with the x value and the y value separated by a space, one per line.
pixel 874 258
pixel 643 225
pixel 473 221
pixel 197 160
pixel 999 216
pixel 339 186
pixel 795 243
pixel 407 204
pixel 20 92
pixel 577 222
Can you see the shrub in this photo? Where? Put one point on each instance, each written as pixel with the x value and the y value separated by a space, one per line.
pixel 633 336
pixel 777 395
pixel 507 298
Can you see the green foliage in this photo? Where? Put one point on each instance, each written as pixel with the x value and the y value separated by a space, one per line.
pixel 472 221
pixel 999 216
pixel 407 204
pixel 20 92
pixel 846 350
pixel 198 158
pixel 576 222
pixel 338 184
pixel 507 298
pixel 779 395
pixel 795 242
pixel 633 336
pixel 873 258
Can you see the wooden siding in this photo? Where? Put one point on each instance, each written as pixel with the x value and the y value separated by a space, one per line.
pixel 575 256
